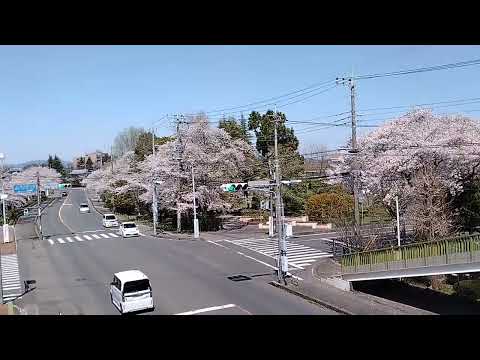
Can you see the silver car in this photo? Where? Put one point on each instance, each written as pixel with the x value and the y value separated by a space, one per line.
pixel 84 208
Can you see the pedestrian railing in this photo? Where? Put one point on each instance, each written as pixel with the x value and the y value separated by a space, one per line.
pixel 457 250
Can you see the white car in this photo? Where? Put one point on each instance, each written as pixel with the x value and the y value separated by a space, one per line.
pixel 109 220
pixel 127 229
pixel 84 208
pixel 131 291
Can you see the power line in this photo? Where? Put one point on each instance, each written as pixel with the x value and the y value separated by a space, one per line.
pixel 420 70
pixel 270 100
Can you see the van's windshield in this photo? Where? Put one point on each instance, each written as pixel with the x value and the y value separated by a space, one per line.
pixel 137 285
pixel 110 217
pixel 129 226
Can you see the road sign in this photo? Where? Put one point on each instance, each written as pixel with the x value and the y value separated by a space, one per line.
pixel 259 183
pixel 25 188
pixel 51 186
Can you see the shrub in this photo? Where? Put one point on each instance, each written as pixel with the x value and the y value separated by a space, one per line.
pixel 331 207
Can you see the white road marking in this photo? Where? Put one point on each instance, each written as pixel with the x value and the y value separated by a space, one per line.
pixel 214 243
pixel 96 236
pixel 213 308
pixel 78 238
pixel 105 236
pixel 50 241
pixel 264 263
pixel 69 239
pixel 61 241
pixel 111 234
pixel 139 233
pixel 60 213
pixel 87 237
pixel 11 287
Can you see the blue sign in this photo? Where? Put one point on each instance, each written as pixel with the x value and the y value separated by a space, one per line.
pixel 25 188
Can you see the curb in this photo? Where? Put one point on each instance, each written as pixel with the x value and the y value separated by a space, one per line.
pixel 315 300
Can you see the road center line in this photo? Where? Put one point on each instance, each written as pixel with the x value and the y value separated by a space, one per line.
pixel 60 214
pixel 213 308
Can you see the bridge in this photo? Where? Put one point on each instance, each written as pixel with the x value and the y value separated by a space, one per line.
pixel 459 254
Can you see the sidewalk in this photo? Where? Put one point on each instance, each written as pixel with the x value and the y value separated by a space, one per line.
pixel 346 302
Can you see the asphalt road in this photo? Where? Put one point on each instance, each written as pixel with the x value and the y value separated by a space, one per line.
pixel 186 275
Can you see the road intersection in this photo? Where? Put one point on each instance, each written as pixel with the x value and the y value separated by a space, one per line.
pixel 74 265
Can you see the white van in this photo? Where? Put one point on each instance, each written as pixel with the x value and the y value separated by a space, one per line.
pixel 109 220
pixel 131 291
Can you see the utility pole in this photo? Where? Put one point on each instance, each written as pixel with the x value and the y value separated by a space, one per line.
pixel 178 152
pixel 111 161
pixel 154 194
pixel 38 205
pixel 398 221
pixel 271 227
pixel 196 230
pixel 282 262
pixel 354 150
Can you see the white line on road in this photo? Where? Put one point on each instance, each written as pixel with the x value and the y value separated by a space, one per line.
pixel 111 234
pixel 87 237
pixel 246 247
pixel 139 233
pixel 78 238
pixel 50 241
pixel 264 263
pixel 96 236
pixel 61 241
pixel 214 243
pixel 105 236
pixel 60 213
pixel 69 239
pixel 213 308
pixel 11 287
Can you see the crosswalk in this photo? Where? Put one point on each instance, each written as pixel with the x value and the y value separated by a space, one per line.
pixel 11 285
pixel 299 256
pixel 78 238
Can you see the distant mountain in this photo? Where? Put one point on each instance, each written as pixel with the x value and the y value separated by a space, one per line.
pixel 28 163
pixel 66 164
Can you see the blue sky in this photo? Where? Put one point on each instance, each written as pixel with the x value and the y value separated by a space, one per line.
pixel 74 99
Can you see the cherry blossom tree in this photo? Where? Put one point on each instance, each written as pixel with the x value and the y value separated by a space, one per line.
pixel 215 157
pixel 423 159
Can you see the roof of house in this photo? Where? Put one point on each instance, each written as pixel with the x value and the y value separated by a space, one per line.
pixel 79 172
pixel 130 275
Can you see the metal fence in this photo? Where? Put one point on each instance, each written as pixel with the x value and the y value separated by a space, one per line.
pixel 457 250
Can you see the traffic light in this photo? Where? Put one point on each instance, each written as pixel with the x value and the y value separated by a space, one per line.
pixel 234 187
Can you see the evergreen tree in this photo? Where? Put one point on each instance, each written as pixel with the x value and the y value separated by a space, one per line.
pixel 50 161
pixel 81 163
pixel 89 164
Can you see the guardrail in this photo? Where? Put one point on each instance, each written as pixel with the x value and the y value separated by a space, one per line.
pixel 457 250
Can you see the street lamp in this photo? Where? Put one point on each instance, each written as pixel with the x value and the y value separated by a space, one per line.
pixel 196 232
pixel 4 197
